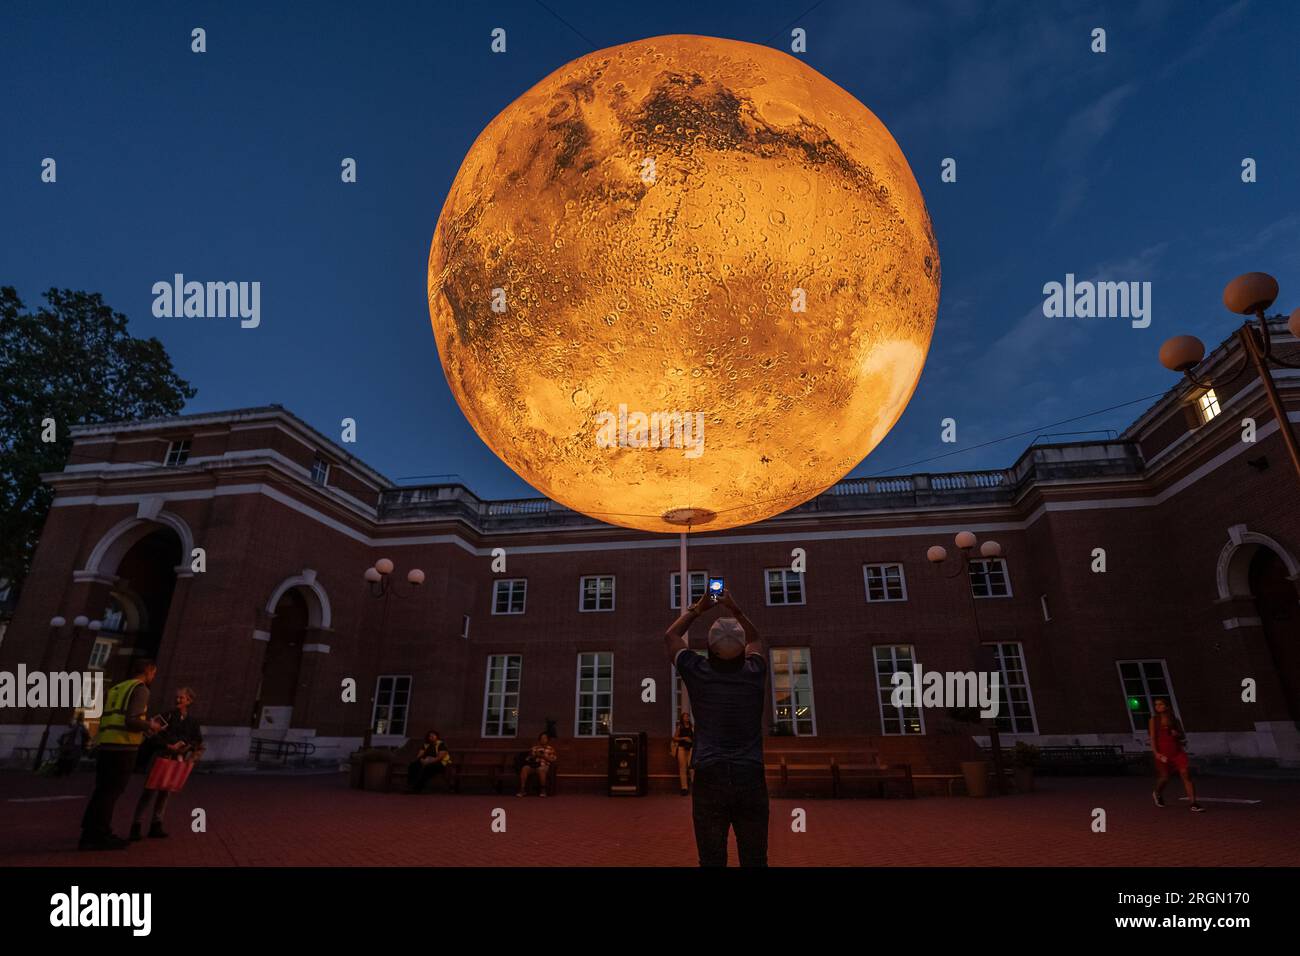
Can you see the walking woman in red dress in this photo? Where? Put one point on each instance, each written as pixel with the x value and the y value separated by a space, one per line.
pixel 1167 745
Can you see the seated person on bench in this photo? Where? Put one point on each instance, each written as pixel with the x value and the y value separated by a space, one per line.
pixel 432 760
pixel 539 759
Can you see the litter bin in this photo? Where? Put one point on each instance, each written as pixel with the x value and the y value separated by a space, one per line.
pixel 627 765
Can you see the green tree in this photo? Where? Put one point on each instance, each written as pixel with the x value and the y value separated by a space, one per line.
pixel 72 361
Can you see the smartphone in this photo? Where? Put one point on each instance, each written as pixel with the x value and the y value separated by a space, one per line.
pixel 717 587
pixel 162 721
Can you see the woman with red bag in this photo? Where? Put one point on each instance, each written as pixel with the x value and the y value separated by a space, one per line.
pixel 176 748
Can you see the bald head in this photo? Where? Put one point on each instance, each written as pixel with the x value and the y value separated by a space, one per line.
pixel 726 639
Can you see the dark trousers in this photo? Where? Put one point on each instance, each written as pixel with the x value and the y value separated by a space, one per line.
pixel 112 774
pixel 160 798
pixel 731 796
pixel 419 774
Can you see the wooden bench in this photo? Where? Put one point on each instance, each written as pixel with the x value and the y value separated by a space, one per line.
pixel 881 776
pixel 1080 760
pixel 836 768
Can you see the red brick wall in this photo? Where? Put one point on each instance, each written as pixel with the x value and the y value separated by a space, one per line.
pixel 1157 598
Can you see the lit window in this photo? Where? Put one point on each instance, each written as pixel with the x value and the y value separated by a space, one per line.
pixel 320 471
pixel 596 593
pixel 792 692
pixel 178 453
pixel 784 586
pixel 501 697
pixel 988 578
pixel 508 596
pixel 1209 403
pixel 113 620
pixel 1015 703
pixel 890 660
pixel 100 653
pixel 595 716
pixel 392 699
pixel 699 582
pixel 885 582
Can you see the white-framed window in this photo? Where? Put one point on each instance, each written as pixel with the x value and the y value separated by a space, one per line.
pixel 699 583
pixel 178 453
pixel 784 586
pixel 464 627
pixel 320 471
pixel 891 659
pixel 989 578
pixel 595 703
pixel 1143 682
pixel 1015 700
pixel 508 596
pixel 100 653
pixel 680 695
pixel 1208 404
pixel 596 593
pixel 885 582
pixel 793 712
pixel 501 695
pixel 392 701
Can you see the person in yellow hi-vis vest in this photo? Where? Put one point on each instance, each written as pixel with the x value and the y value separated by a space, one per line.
pixel 122 729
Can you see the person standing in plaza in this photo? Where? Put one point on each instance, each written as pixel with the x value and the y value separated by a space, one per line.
pixel 1168 745
pixel 683 744
pixel 726 689
pixel 181 738
pixel 121 731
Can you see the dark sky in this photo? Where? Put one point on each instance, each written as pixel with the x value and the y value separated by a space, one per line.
pixel 225 166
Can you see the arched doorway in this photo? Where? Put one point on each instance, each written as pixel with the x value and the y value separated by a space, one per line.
pixel 147 572
pixel 273 710
pixel 1279 613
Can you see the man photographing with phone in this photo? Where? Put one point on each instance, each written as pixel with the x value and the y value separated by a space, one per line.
pixel 726 691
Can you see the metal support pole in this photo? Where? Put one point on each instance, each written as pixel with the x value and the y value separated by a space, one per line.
pixel 685 703
pixel 1250 341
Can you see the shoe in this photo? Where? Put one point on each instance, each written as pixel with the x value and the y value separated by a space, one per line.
pixel 519 794
pixel 1197 808
pixel 156 830
pixel 685 792
pixel 1159 800
pixel 135 832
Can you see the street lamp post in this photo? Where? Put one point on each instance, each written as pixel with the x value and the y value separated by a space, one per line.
pixel 381 585
pixel 1249 294
pixel 79 623
pixel 989 550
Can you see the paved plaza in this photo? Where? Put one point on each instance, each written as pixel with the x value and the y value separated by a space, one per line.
pixel 268 819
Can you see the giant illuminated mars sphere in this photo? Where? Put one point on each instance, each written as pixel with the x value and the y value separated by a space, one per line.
pixel 678 233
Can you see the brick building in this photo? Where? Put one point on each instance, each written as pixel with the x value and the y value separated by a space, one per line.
pixel 1199 529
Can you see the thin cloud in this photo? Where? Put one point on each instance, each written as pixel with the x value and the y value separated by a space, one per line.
pixel 1074 148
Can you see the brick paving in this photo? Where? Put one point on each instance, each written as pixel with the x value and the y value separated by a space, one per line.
pixel 316 820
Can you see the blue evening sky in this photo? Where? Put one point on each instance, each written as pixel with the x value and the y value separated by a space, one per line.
pixel 225 166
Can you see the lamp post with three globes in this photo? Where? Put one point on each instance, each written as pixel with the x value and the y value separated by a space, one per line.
pixel 382 586
pixel 79 623
pixel 989 551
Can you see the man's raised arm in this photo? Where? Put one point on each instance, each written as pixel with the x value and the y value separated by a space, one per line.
pixel 674 637
pixel 753 642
